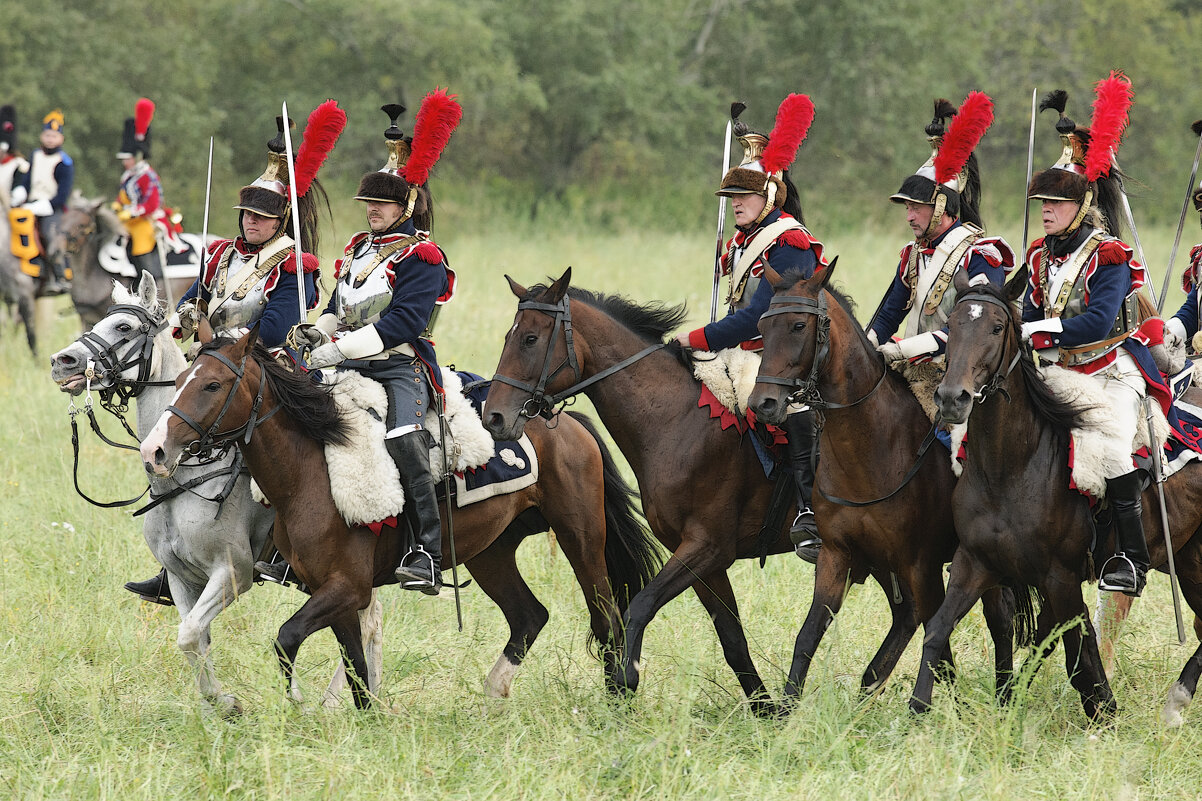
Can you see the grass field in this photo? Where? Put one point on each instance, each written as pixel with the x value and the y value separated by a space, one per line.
pixel 97 703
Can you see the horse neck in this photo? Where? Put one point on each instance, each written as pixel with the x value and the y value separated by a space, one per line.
pixel 639 402
pixel 851 375
pixel 280 454
pixel 1006 432
pixel 166 363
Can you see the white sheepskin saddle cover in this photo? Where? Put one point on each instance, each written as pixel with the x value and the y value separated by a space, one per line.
pixel 1097 452
pixel 729 374
pixel 364 481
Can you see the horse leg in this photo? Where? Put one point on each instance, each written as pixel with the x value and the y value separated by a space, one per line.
pixel 193 637
pixel 496 572
pixel 967 583
pixel 718 598
pixel 25 308
pixel 830 588
pixel 1112 610
pixel 371 627
pixel 335 603
pixel 1189 576
pixel 585 551
pixel 1001 611
pixel 1081 659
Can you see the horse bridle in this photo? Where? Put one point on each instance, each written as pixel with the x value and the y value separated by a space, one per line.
pixel 212 437
pixel 112 364
pixel 805 390
pixel 541 404
pixel 995 383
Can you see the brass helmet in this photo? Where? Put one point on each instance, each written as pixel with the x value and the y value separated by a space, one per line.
pixel 766 159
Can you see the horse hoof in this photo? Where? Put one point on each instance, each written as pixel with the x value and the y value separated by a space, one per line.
pixel 226 707
pixel 1174 708
pixel 918 706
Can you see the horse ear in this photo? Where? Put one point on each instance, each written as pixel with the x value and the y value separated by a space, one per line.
pixel 771 276
pixel 148 291
pixel 827 273
pixel 519 291
pixel 558 289
pixel 1016 287
pixel 960 282
pixel 252 336
pixel 204 330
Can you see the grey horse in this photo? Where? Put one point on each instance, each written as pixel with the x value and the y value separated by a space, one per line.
pixel 17 288
pixel 208 549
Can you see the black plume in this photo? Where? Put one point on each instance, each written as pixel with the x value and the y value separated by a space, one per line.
pixel 1056 99
pixel 1197 126
pixel 737 108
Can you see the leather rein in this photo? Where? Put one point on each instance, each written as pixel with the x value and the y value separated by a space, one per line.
pixel 805 390
pixel 540 404
pixel 212 436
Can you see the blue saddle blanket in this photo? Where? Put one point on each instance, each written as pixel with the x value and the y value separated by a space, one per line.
pixel 513 466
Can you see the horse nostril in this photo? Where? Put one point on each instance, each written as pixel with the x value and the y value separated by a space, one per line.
pixel 159 456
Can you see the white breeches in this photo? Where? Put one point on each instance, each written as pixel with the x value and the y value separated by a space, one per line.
pixel 1124 386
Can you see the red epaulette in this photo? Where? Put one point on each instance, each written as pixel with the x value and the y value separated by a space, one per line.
pixel 309 261
pixel 1112 251
pixel 1189 278
pixel 795 238
pixel 428 252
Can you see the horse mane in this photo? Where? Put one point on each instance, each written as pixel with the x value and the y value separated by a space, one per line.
pixel 309 404
pixel 650 321
pixel 1062 415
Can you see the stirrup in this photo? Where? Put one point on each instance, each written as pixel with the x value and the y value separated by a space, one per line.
pixel 413 574
pixel 1118 564
pixel 279 573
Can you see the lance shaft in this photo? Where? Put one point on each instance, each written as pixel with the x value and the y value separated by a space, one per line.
pixel 721 225
pixel 1139 248
pixel 296 234
pixel 1030 171
pixel 441 400
pixel 1155 450
pixel 1189 192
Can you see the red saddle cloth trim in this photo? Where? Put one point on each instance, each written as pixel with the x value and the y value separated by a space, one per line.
pixel 378 526
pixel 728 418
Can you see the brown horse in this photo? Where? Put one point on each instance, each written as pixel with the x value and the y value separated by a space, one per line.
pixel 898 527
pixel 1018 519
pixel 235 390
pixel 704 491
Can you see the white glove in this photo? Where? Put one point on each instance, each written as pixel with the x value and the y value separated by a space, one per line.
pixel 872 338
pixel 892 351
pixel 1052 325
pixel 187 316
pixel 310 335
pixel 19 195
pixel 327 355
pixel 1174 334
pixel 40 208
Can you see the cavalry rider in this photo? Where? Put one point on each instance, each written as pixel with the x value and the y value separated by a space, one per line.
pixel 12 164
pixel 139 203
pixel 44 191
pixel 770 230
pixel 389 284
pixel 1184 325
pixel 251 279
pixel 942 204
pixel 1080 306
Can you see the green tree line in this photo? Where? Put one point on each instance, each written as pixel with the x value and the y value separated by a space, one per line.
pixel 604 113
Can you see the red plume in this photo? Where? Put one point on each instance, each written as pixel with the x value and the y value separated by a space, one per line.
pixel 793 120
pixel 436 119
pixel 1114 96
pixel 321 132
pixel 143 114
pixel 965 131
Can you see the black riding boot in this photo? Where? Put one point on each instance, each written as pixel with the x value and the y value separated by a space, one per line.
pixel 799 427
pixel 156 590
pixel 420 568
pixel 1125 571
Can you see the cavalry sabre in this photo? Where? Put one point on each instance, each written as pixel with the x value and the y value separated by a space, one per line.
pixel 441 400
pixel 1139 248
pixel 1154 450
pixel 1030 172
pixel 1189 192
pixel 735 110
pixel 296 234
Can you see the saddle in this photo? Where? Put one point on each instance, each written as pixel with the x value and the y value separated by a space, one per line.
pixel 182 262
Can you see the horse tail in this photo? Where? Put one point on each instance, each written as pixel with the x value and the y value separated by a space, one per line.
pixel 632 557
pixel 1027 601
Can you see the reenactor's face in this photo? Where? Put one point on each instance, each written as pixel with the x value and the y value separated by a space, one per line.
pixel 51 138
pixel 1057 215
pixel 747 207
pixel 918 217
pixel 382 215
pixel 257 229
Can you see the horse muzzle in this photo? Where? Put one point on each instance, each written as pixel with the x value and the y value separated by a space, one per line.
pixel 769 405
pixel 953 403
pixel 501 429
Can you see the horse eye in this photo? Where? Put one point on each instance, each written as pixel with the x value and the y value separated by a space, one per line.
pixel 997 329
pixel 124 327
pixel 212 386
pixel 529 340
pixel 799 326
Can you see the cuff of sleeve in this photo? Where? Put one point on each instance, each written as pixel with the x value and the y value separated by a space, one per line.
pixel 40 208
pixel 873 338
pixel 363 342
pixel 1052 325
pixel 919 345
pixel 328 323
pixel 697 340
pixel 1177 327
pixel 1041 340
